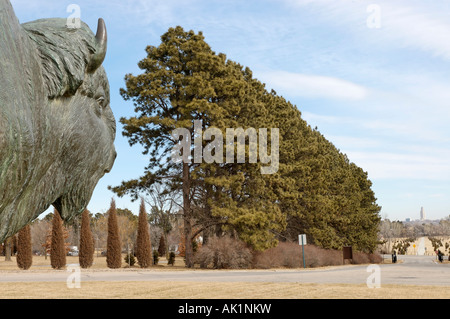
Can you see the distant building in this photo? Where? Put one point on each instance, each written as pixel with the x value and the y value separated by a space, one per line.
pixel 408 220
pixel 422 214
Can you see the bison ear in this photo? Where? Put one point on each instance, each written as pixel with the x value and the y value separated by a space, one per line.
pixel 101 43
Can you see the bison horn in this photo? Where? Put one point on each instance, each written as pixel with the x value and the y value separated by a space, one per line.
pixel 101 40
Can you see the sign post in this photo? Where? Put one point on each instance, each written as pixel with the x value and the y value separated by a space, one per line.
pixel 302 241
pixel 347 253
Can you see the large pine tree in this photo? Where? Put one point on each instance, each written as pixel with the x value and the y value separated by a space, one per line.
pixel 173 92
pixel 314 190
pixel 24 248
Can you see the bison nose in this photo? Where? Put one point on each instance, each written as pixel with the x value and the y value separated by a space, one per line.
pixel 112 160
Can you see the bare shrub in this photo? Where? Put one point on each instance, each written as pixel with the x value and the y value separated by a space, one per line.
pixel 283 255
pixel 360 258
pixel 269 258
pixel 366 258
pixel 289 255
pixel 319 257
pixel 224 253
pixel 375 258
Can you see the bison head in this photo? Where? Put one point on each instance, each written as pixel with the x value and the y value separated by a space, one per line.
pixel 56 128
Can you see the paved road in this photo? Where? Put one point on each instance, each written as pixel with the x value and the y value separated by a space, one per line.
pixel 411 270
pixel 421 247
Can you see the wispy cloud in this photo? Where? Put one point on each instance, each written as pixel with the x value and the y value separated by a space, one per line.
pixel 404 23
pixel 390 165
pixel 313 86
pixel 355 142
pixel 415 27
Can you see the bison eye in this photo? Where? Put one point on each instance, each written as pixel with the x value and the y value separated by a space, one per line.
pixel 101 100
pixel 100 105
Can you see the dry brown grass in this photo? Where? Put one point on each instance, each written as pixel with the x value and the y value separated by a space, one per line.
pixel 220 290
pixel 40 263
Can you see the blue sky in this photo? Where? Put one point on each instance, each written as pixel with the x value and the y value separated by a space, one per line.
pixel 373 76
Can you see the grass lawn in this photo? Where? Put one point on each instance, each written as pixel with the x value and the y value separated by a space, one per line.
pixel 41 263
pixel 216 290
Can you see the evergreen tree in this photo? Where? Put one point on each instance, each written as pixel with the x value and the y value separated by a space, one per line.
pixel 57 247
pixel 144 246
pixel 24 250
pixel 173 92
pixel 114 247
pixel 86 254
pixel 314 190
pixel 162 251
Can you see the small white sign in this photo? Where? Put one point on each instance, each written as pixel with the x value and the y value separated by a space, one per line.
pixel 374 279
pixel 302 239
pixel 74 279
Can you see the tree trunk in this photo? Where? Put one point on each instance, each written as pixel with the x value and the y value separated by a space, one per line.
pixel 189 254
pixel 8 244
pixel 166 235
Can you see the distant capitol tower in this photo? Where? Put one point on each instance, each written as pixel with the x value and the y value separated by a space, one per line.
pixel 422 214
